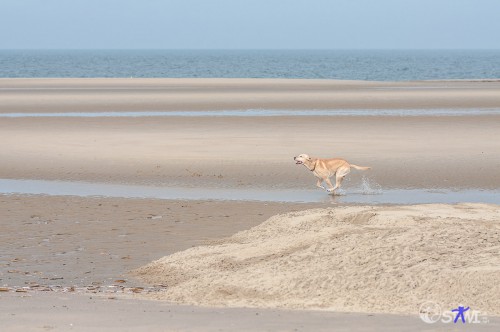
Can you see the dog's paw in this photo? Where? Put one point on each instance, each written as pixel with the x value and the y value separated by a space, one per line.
pixel 330 190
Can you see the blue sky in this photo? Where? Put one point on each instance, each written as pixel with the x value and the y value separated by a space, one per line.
pixel 250 24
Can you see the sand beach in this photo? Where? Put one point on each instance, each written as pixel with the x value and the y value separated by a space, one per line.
pixel 184 265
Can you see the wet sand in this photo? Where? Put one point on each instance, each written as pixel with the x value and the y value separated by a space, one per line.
pixel 75 241
pixel 63 312
pixel 415 152
pixel 93 95
pixel 97 240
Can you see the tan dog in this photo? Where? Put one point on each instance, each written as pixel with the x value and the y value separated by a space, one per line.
pixel 323 169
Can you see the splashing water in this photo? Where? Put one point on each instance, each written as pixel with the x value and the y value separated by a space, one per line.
pixel 369 187
pixel 339 192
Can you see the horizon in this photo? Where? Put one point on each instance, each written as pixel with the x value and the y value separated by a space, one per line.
pixel 249 49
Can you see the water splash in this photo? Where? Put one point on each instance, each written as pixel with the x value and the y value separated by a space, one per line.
pixel 370 187
pixel 338 192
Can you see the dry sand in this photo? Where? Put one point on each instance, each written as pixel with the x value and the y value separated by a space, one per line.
pixel 359 259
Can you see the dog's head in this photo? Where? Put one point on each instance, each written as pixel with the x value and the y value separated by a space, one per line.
pixel 302 158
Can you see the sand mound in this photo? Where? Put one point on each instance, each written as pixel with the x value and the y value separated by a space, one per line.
pixel 364 258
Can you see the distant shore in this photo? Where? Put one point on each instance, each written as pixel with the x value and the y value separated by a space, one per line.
pixel 137 94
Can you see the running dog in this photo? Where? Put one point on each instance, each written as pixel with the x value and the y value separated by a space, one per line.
pixel 323 169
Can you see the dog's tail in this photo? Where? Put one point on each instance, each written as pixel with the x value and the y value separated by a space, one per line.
pixel 361 168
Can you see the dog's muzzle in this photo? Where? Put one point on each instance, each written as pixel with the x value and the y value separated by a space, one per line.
pixel 297 162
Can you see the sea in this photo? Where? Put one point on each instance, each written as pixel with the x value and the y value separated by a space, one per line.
pixel 372 65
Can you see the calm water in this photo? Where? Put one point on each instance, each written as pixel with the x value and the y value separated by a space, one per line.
pixel 264 113
pixel 365 195
pixel 382 65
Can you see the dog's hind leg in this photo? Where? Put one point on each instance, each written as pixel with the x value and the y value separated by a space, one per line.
pixel 339 176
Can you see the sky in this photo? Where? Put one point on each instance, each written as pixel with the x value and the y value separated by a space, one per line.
pixel 249 24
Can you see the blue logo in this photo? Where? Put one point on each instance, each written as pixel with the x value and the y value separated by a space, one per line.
pixel 460 313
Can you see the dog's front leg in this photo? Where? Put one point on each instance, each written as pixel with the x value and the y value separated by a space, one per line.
pixel 319 185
